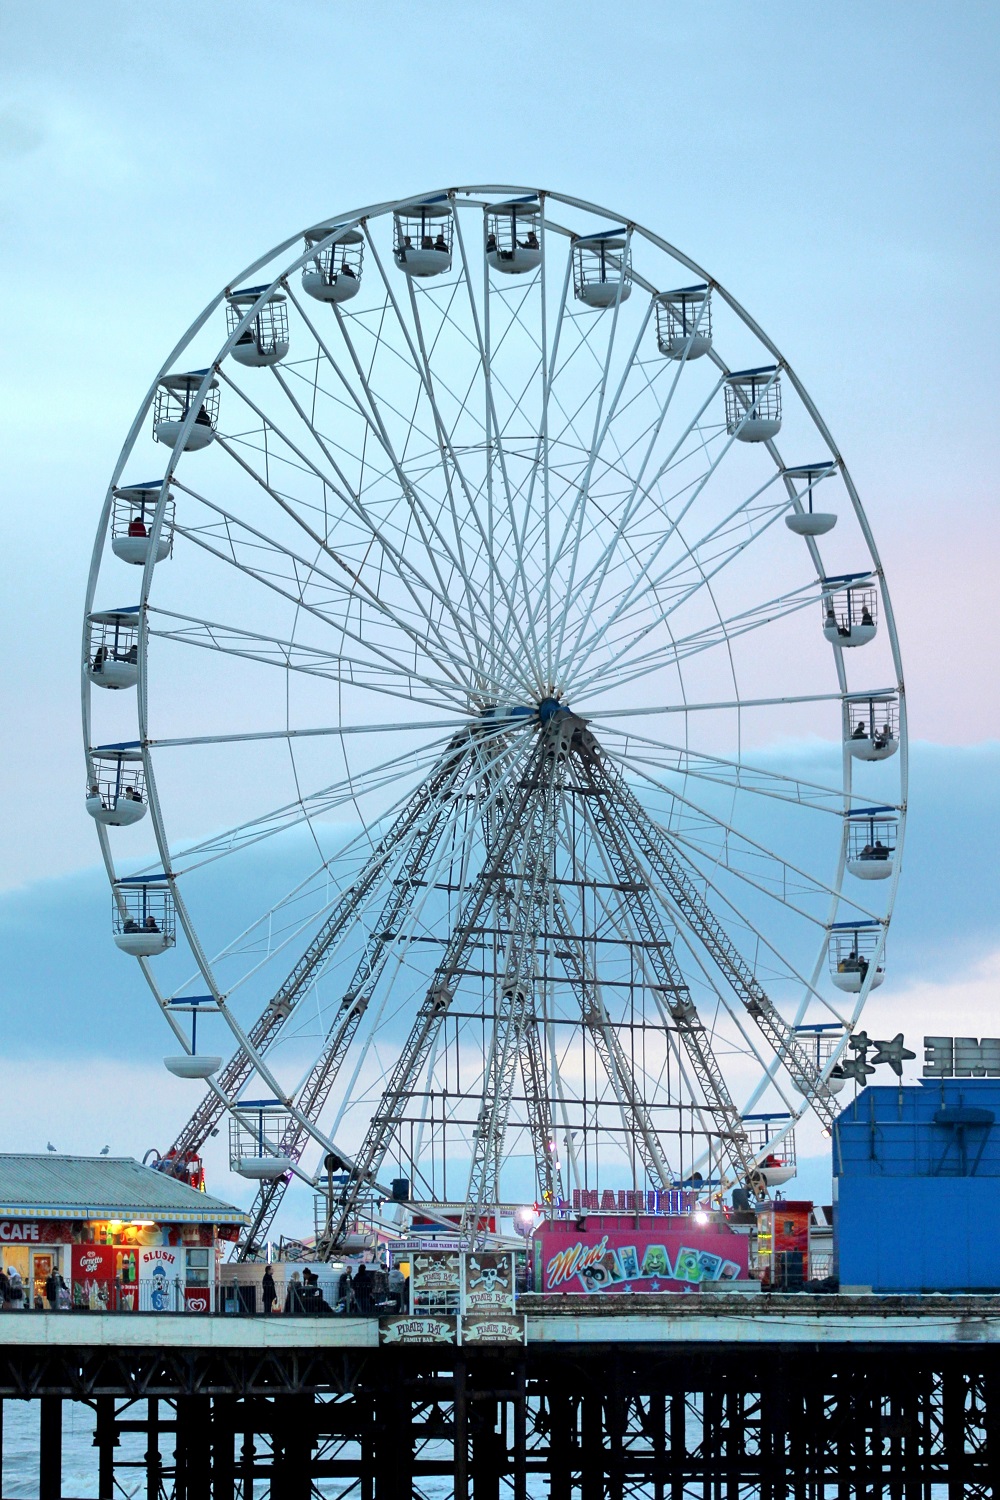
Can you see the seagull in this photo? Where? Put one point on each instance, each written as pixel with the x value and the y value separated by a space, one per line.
pixel 50 1147
pixel 105 1150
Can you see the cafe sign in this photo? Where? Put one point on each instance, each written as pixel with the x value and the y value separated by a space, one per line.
pixel 34 1232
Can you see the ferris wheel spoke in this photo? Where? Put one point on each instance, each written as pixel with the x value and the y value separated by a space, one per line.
pixel 405 570
pixel 448 456
pixel 525 633
pixel 709 707
pixel 690 560
pixel 629 667
pixel 327 799
pixel 294 656
pixel 296 590
pixel 575 519
pixel 646 578
pixel 683 761
pixel 549 354
pixel 463 626
pixel 591 588
pixel 419 358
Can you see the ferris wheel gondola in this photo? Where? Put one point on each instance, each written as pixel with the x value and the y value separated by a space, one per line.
pixel 475 720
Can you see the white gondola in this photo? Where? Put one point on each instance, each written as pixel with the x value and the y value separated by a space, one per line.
pixel 871 842
pixel 776 1163
pixel 422 238
pixel 753 404
pixel 184 1065
pixel 258 1134
pixel 872 725
pixel 684 322
pixel 144 922
pixel 820 1042
pixel 809 522
pixel 175 396
pixel 850 609
pixel 602 268
pixel 852 951
pixel 264 340
pixel 334 273
pixel 193 1064
pixel 113 653
pixel 116 789
pixel 133 507
pixel 513 245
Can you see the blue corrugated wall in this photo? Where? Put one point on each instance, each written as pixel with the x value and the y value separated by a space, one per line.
pixel 918 1198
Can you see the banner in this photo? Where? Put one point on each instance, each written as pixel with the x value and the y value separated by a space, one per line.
pixel 640 1260
pixel 501 1328
pixel 408 1330
pixel 92 1277
pixel 160 1274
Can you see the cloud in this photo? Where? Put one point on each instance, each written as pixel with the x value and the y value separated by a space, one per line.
pixel 21 132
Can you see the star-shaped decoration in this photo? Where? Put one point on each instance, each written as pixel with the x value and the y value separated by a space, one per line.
pixel 655 1285
pixel 856 1068
pixel 861 1042
pixel 627 1287
pixel 893 1053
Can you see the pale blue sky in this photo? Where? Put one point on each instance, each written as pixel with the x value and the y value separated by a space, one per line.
pixel 835 167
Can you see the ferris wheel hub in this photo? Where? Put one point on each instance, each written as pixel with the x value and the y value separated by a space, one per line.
pixel 548 707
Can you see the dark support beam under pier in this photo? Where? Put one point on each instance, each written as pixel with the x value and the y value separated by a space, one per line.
pixel 50 1448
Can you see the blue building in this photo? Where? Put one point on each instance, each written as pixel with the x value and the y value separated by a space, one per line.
pixel 917 1185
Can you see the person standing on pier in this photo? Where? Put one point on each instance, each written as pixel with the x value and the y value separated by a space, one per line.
pixel 268 1291
pixel 54 1285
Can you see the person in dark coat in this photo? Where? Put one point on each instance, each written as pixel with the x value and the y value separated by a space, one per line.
pixel 268 1291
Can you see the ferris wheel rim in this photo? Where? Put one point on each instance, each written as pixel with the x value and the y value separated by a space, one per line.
pixel 381 210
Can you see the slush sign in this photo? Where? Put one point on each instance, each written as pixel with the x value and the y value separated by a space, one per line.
pixel 961 1057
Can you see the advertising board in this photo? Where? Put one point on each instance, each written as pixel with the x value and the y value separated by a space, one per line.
pixel 638 1260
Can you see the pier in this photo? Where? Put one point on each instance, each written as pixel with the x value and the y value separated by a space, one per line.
pixel 712 1396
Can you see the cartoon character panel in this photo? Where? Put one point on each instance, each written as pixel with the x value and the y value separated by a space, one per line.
pixel 636 1260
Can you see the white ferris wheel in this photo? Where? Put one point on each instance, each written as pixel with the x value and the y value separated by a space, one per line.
pixel 493 719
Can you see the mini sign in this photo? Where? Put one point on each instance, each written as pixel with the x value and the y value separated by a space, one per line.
pixel 501 1328
pixel 639 1261
pixel 961 1057
pixel 417 1330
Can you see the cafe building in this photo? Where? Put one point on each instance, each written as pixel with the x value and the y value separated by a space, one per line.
pixel 122 1236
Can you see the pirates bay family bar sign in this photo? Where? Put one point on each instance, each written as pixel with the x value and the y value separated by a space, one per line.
pixel 457 1297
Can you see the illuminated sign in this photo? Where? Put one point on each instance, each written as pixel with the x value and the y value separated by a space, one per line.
pixel 628 1201
pixel 961 1057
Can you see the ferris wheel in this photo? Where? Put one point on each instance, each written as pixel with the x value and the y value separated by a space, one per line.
pixel 493 720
